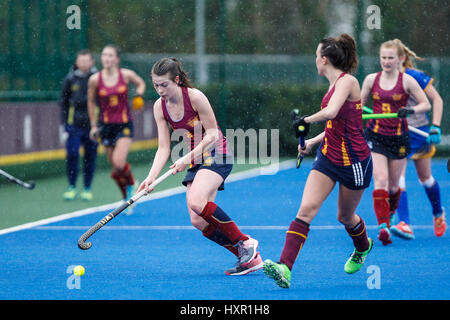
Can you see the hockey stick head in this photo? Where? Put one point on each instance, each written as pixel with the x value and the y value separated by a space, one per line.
pixel 29 185
pixel 84 245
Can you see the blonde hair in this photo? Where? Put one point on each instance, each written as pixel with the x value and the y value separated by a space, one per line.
pixel 403 50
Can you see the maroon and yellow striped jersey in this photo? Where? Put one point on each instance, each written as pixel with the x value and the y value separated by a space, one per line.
pixel 192 126
pixel 113 101
pixel 344 143
pixel 388 101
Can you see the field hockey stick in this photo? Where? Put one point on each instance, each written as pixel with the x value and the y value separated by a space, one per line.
pixel 82 244
pixel 371 115
pixel 301 140
pixel 300 156
pixel 379 116
pixel 28 185
pixel 367 109
pixel 418 131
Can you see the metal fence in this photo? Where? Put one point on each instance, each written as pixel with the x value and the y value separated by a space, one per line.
pixel 29 83
pixel 37 49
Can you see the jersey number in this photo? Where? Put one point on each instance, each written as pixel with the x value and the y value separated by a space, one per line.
pixel 386 108
pixel 113 101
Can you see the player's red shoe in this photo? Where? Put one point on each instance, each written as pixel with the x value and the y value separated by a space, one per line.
pixel 403 230
pixel 440 225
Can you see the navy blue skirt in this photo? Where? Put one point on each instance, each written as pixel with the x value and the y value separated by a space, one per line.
pixel 223 168
pixel 355 177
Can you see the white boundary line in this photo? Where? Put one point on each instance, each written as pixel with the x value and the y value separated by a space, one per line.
pixel 265 170
pixel 166 228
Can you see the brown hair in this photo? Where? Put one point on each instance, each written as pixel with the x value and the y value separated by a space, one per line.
pixel 114 47
pixel 84 52
pixel 403 50
pixel 172 66
pixel 341 52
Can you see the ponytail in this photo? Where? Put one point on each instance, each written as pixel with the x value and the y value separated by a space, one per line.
pixel 341 52
pixel 172 66
pixel 403 50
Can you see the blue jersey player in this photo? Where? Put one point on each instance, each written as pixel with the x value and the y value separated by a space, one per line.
pixel 422 150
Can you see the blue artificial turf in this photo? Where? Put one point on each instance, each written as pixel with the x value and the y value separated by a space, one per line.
pixel 155 254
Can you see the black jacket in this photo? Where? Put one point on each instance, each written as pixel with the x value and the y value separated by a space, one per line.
pixel 74 98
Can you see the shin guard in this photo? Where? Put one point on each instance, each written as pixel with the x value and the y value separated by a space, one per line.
pixel 217 217
pixel 381 206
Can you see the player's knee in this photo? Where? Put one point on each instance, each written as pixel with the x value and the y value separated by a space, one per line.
pixel 118 163
pixel 423 178
pixel 381 181
pixel 197 222
pixel 307 211
pixel 393 186
pixel 72 157
pixel 345 219
pixel 72 153
pixel 393 189
pixel 310 207
pixel 197 204
pixel 380 175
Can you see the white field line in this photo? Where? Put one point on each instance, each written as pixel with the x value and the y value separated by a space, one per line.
pixel 266 170
pixel 167 228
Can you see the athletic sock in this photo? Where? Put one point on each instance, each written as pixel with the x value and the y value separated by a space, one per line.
pixel 120 181
pixel 434 195
pixel 358 234
pixel 295 238
pixel 212 233
pixel 394 199
pixel 123 177
pixel 128 175
pixel 217 217
pixel 381 206
pixel 403 210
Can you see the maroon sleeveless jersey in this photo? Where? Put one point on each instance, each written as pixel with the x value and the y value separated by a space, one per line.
pixel 344 143
pixel 113 101
pixel 191 125
pixel 388 101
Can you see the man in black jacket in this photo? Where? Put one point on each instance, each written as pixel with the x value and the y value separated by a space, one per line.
pixel 76 122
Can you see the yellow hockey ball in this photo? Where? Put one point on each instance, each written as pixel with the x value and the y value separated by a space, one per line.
pixel 78 271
